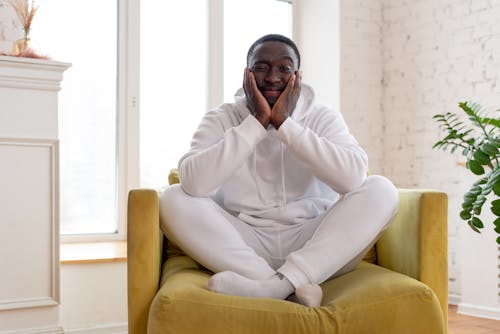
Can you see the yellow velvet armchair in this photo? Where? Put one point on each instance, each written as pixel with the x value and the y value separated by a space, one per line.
pixel 401 288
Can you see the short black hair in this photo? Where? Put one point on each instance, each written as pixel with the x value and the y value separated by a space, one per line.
pixel 274 38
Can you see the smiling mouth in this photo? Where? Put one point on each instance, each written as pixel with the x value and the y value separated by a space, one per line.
pixel 271 92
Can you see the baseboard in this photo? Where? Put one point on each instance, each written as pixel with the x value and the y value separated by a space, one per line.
pixel 454 299
pixel 479 311
pixel 44 330
pixel 121 328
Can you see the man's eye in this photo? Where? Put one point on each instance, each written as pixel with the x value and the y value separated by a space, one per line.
pixel 285 68
pixel 260 68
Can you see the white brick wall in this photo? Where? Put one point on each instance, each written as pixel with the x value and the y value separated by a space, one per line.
pixel 428 55
pixel 361 75
pixel 435 54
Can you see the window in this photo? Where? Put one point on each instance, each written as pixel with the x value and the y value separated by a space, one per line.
pixel 173 83
pixel 85 36
pixel 100 113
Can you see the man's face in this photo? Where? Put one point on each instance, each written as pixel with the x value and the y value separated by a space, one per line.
pixel 272 64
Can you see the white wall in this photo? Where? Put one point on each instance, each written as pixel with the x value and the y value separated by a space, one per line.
pixel 361 76
pixel 319 50
pixel 343 63
pixel 94 298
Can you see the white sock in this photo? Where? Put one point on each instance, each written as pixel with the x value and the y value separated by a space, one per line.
pixel 231 283
pixel 309 295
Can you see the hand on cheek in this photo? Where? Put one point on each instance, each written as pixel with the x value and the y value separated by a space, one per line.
pixel 286 103
pixel 256 102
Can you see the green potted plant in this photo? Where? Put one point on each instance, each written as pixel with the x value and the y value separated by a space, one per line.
pixel 477 137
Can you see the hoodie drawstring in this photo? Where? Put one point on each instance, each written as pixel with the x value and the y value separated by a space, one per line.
pixel 256 177
pixel 283 173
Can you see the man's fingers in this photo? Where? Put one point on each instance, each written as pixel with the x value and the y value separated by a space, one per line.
pixel 246 84
pixel 253 84
pixel 290 85
pixel 297 83
pixel 291 82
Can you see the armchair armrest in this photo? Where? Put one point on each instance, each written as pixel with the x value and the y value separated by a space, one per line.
pixel 416 243
pixel 144 256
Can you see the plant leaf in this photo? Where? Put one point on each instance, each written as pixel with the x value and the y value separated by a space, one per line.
pixel 492 121
pixel 467 205
pixel 481 157
pixel 470 197
pixel 465 214
pixel 486 190
pixel 481 181
pixel 475 167
pixel 477 222
pixel 476 190
pixel 496 187
pixel 495 208
pixel 474 228
pixel 490 149
pixel 495 141
pixel 478 204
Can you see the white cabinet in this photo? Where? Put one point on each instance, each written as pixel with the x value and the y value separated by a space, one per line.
pixel 29 195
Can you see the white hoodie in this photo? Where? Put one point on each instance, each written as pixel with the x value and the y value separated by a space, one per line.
pixel 264 177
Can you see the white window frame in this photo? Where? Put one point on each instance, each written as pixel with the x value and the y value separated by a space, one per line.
pixel 128 108
pixel 215 53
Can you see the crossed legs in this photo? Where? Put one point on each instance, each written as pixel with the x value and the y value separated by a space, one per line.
pixel 220 242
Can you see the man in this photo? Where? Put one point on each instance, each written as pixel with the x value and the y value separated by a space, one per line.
pixel 259 200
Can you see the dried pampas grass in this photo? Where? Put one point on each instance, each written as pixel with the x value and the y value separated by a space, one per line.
pixel 26 11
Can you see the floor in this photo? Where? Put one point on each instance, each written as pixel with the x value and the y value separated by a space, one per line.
pixel 462 324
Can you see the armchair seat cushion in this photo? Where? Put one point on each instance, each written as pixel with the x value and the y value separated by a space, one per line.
pixel 370 299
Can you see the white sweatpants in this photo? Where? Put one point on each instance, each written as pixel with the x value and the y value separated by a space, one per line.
pixel 304 253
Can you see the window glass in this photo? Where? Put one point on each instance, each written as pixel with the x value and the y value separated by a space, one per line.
pixel 173 83
pixel 244 22
pixel 85 36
